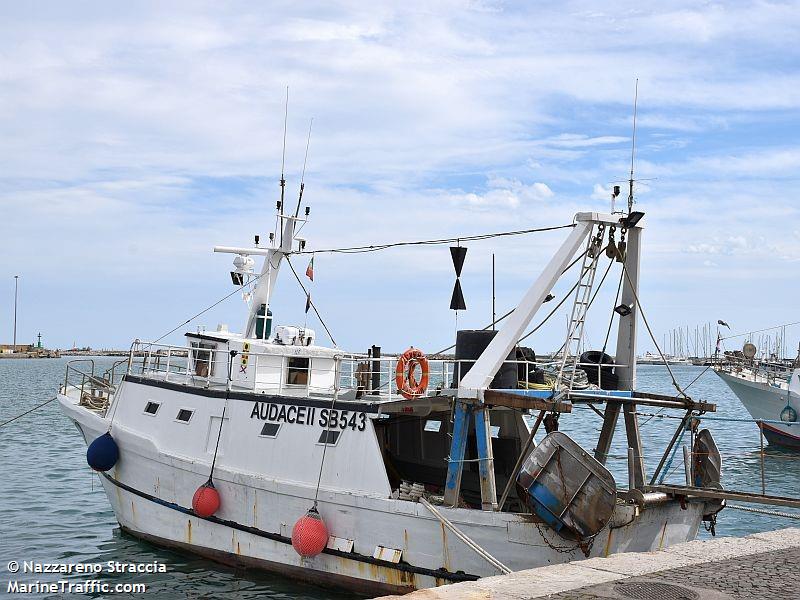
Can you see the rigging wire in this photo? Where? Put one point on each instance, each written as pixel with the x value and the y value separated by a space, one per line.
pixel 483 236
pixel 311 302
pixel 368 249
pixel 658 413
pixel 424 242
pixel 588 306
pixel 650 332
pixel 611 320
pixel 208 308
pixel 727 337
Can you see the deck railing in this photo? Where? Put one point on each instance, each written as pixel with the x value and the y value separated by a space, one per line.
pixel 359 374
pixel 774 373
pixel 94 389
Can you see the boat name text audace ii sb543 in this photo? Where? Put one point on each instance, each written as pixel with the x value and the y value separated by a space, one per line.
pixel 384 473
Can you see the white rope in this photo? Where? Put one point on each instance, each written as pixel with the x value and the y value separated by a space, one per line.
pixel 463 537
pixel 771 513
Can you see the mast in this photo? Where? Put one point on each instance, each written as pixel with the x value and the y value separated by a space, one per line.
pixel 286 222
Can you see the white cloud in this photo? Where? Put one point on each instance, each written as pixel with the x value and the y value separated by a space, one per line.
pixel 601 192
pixel 504 192
pixel 573 140
pixel 135 138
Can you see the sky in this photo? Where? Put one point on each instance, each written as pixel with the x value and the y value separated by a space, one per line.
pixel 138 135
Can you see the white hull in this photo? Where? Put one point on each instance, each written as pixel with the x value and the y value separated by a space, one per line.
pixel 150 490
pixel 764 402
pixel 282 419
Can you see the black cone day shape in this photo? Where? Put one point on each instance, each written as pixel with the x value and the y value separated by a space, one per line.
pixel 458 253
pixel 457 301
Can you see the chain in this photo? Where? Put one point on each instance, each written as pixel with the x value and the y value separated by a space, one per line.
pixel 622 246
pixel 584 546
pixel 611 249
pixel 597 243
pixel 712 525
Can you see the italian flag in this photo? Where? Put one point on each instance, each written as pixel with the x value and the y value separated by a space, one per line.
pixel 310 269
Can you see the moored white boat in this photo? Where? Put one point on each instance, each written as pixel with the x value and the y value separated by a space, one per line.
pixel 771 394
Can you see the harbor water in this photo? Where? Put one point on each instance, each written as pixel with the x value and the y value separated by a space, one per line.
pixel 53 509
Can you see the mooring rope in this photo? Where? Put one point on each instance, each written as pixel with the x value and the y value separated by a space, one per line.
pixel 27 412
pixel 231 355
pixel 465 538
pixel 328 442
pixel 762 511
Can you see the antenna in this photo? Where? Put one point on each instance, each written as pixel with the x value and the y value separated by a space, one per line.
pixel 303 175
pixel 633 147
pixel 283 161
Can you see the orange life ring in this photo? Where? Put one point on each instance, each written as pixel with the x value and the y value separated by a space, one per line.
pixel 405 373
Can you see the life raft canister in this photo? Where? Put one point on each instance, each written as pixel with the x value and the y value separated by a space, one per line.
pixel 405 373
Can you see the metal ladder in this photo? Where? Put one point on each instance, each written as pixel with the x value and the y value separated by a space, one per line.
pixel 580 306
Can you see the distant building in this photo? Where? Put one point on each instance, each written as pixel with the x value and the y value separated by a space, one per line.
pixel 10 348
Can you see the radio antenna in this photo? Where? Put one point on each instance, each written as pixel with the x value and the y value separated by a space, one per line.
pixel 303 175
pixel 283 162
pixel 633 147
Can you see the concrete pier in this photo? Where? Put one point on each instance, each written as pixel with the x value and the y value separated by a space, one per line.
pixel 762 565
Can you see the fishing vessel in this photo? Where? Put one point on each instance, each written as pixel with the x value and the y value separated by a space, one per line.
pixel 389 472
pixel 768 388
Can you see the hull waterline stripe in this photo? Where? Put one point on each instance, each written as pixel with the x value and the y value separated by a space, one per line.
pixel 768 429
pixel 253 396
pixel 439 574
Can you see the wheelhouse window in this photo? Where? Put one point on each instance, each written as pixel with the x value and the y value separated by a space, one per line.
pixel 297 371
pixel 203 358
pixel 184 415
pixel 151 408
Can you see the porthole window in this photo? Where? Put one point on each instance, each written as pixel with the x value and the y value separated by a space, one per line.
pixel 270 430
pixel 329 437
pixel 151 408
pixel 184 415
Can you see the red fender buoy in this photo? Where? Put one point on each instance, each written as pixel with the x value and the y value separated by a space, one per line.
pixel 206 500
pixel 309 534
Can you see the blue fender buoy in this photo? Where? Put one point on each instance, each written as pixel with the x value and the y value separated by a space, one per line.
pixel 102 453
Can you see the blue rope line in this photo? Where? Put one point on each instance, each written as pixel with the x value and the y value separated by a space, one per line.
pixel 667 466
